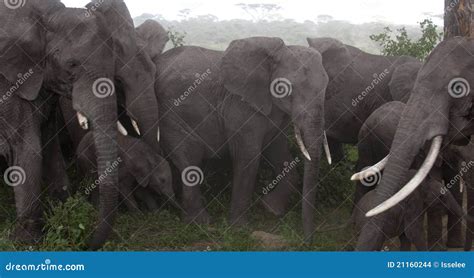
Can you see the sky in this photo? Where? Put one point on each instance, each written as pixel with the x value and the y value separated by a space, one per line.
pixel 355 11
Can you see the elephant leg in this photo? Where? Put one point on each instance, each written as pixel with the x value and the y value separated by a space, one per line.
pixel 455 238
pixel 25 177
pixel 435 228
pixel 245 162
pixel 405 243
pixel 126 191
pixel 279 157
pixel 415 233
pixel 188 164
pixel 54 170
pixel 371 237
pixel 146 197
pixel 470 211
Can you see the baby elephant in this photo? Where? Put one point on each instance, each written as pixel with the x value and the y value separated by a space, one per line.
pixel 406 220
pixel 141 170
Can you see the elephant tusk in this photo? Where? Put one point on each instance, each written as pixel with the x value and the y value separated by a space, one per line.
pixel 300 143
pixel 135 126
pixel 461 185
pixel 415 182
pixel 158 135
pixel 326 148
pixel 371 171
pixel 121 129
pixel 83 121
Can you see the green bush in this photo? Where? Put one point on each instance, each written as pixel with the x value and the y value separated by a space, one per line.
pixel 68 225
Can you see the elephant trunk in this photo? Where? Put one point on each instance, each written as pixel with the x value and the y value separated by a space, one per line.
pixel 313 139
pixel 101 113
pixel 417 125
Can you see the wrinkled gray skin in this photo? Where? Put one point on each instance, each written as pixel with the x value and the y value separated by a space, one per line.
pixel 406 220
pixel 232 110
pixel 465 155
pixel 375 139
pixel 65 49
pixel 140 168
pixel 431 111
pixel 354 73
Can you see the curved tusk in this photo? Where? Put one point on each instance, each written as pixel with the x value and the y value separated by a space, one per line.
pixel 300 143
pixel 326 148
pixel 414 182
pixel 83 121
pixel 377 168
pixel 135 126
pixel 158 135
pixel 121 129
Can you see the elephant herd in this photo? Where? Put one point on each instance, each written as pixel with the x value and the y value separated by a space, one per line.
pixel 140 120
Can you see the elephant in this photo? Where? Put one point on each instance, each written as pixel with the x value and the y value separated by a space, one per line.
pixel 70 52
pixel 438 113
pixel 406 220
pixel 375 139
pixel 140 169
pixel 241 102
pixel 359 83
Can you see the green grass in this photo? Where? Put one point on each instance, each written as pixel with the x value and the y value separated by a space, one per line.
pixel 68 225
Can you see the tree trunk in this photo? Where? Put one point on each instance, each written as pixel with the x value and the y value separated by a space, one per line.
pixel 459 18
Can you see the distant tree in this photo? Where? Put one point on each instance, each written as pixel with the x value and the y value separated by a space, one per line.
pixel 402 44
pixel 184 14
pixel 261 11
pixel 324 18
pixel 176 37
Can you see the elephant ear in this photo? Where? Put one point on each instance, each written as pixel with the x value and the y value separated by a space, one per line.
pixel 336 55
pixel 120 25
pixel 21 51
pixel 153 38
pixel 246 70
pixel 403 81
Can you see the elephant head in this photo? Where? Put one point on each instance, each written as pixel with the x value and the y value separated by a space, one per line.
pixel 439 110
pixel 153 38
pixel 336 55
pixel 273 77
pixel 74 52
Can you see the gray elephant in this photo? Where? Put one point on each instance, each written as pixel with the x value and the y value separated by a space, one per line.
pixel 140 168
pixel 375 139
pixel 359 83
pixel 64 51
pixel 406 220
pixel 241 102
pixel 439 113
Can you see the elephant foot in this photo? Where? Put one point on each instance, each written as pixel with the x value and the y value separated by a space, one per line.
pixel 201 218
pixel 455 242
pixel 274 205
pixel 27 232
